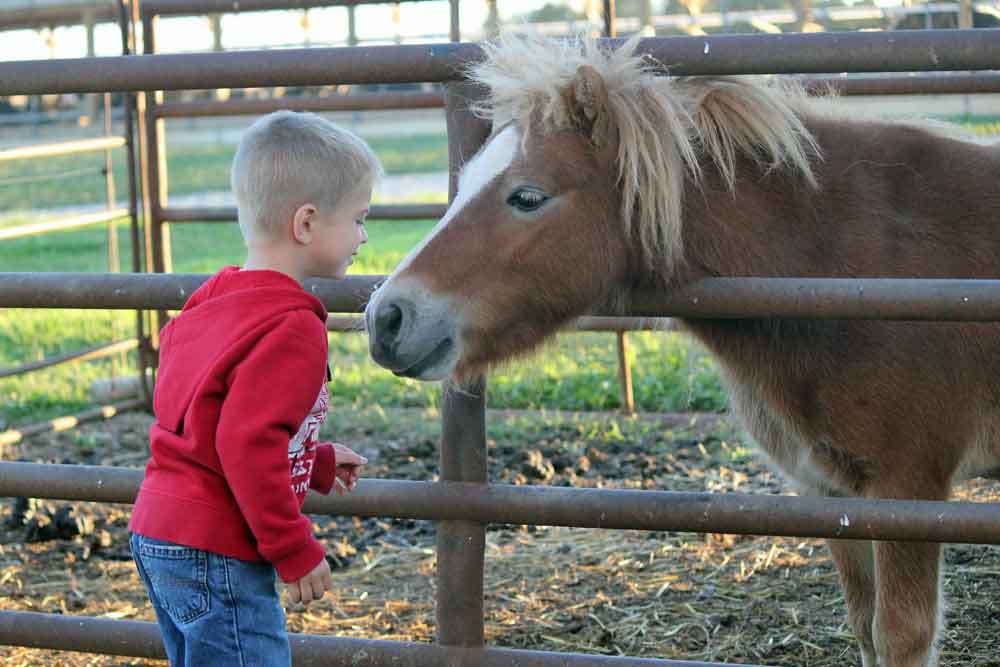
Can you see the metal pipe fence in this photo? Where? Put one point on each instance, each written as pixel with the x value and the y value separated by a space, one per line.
pixel 463 501
pixel 352 102
pixel 610 509
pixel 907 299
pixel 814 53
pixel 109 217
pixel 141 639
pixel 376 212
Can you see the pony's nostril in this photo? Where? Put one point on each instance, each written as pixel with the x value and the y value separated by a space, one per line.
pixel 388 323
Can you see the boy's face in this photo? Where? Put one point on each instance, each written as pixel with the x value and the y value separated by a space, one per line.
pixel 338 235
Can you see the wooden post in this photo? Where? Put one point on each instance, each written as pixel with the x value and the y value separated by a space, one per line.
pixel 89 20
pixel 625 375
pixel 964 13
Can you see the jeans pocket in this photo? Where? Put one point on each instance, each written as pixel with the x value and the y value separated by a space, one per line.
pixel 178 576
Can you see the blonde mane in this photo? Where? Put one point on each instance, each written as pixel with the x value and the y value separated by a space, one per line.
pixel 662 125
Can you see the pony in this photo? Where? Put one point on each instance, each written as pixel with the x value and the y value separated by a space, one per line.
pixel 603 177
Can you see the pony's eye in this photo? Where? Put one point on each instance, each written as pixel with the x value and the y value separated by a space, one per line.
pixel 527 199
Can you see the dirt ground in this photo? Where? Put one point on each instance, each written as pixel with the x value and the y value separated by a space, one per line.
pixel 768 601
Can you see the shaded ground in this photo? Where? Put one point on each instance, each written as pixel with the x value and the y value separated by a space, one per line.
pixel 765 600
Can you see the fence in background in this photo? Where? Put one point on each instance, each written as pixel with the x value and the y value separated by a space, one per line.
pixel 463 501
pixel 119 346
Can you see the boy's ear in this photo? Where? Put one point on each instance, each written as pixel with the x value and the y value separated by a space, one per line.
pixel 302 223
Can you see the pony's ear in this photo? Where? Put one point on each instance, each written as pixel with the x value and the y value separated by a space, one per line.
pixel 589 107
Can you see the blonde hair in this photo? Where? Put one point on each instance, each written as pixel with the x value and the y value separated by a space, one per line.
pixel 288 159
pixel 663 124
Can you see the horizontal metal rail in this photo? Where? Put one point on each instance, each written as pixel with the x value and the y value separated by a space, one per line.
pixel 377 212
pixel 741 514
pixel 614 324
pixel 361 102
pixel 157 291
pixel 61 148
pixel 86 354
pixel 62 224
pixel 917 299
pixel 914 84
pixel 950 83
pixel 15 435
pixel 897 51
pixel 198 7
pixel 142 640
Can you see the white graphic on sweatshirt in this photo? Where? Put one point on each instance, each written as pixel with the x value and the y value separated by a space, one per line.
pixel 302 446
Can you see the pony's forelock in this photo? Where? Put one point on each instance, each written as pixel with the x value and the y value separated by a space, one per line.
pixel 663 124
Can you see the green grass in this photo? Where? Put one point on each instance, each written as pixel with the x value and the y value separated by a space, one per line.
pixel 574 372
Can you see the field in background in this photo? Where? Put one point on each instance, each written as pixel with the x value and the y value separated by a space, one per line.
pixel 576 371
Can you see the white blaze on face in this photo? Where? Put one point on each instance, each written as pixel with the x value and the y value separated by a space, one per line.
pixel 489 163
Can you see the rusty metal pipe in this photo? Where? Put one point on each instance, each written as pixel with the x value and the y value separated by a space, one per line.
pixel 142 640
pixel 150 291
pixel 461 543
pixel 376 212
pixel 360 102
pixel 916 299
pixel 612 324
pixel 741 514
pixel 950 83
pixel 947 83
pixel 896 51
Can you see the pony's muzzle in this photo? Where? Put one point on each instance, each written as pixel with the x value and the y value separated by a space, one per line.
pixel 410 341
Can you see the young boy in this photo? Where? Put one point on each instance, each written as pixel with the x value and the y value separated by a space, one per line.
pixel 239 402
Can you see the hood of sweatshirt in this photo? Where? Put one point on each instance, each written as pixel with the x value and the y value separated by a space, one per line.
pixel 219 316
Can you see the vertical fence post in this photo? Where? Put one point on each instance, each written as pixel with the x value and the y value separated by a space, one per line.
pixel 461 544
pixel 157 166
pixel 455 30
pixel 114 262
pixel 126 25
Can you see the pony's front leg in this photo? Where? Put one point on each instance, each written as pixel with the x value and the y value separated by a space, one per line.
pixel 907 603
pixel 856 567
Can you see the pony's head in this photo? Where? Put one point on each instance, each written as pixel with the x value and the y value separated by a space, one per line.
pixel 576 197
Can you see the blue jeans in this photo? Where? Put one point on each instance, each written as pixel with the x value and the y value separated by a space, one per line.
pixel 212 610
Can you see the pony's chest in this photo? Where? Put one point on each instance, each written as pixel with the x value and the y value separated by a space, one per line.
pixel 813 466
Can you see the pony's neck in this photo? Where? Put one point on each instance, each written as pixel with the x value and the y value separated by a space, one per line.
pixel 892 201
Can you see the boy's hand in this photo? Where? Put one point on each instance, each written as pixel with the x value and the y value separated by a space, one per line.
pixel 348 470
pixel 313 585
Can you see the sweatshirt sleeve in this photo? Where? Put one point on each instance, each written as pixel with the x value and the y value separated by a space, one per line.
pixel 324 468
pixel 269 394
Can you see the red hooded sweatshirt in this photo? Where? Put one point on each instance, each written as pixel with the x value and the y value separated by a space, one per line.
pixel 239 400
